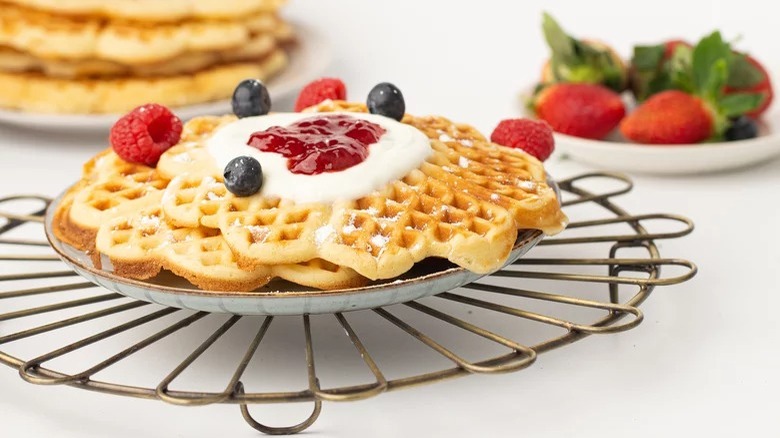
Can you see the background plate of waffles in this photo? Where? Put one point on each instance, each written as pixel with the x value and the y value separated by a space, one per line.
pixel 288 58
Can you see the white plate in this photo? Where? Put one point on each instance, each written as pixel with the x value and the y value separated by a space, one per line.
pixel 309 57
pixel 429 277
pixel 617 154
pixel 673 159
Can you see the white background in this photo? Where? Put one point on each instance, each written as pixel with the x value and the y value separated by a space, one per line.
pixel 704 362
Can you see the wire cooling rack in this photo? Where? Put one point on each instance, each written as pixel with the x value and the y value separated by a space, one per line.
pixel 498 324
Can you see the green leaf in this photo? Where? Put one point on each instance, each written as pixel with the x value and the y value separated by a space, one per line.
pixel 613 78
pixel 679 69
pixel 613 75
pixel 657 84
pixel 705 55
pixel 584 74
pixel 647 57
pixel 716 80
pixel 740 103
pixel 743 74
pixel 560 43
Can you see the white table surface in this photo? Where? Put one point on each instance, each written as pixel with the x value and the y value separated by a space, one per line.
pixel 703 363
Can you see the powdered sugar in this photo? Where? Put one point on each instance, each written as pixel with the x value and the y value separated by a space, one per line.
pixel 149 222
pixel 259 234
pixel 494 197
pixel 323 233
pixel 444 136
pixel 379 241
pixel 463 162
pixel 350 227
pixel 530 186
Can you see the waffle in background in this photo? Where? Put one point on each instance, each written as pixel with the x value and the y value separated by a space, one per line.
pixel 80 57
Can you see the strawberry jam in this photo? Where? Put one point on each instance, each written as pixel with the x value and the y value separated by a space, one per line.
pixel 323 143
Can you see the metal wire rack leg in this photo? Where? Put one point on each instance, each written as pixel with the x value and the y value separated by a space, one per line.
pixel 484 298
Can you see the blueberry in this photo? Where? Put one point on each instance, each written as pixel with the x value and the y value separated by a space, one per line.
pixel 742 128
pixel 251 98
pixel 243 176
pixel 386 100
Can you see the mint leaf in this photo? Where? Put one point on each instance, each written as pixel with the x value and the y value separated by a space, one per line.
pixel 705 55
pixel 647 57
pixel 743 74
pixel 740 103
pixel 560 43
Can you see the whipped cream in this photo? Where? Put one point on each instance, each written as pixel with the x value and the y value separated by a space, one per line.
pixel 400 150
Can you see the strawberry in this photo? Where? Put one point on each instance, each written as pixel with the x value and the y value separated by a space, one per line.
pixel 670 66
pixel 696 109
pixel 748 75
pixel 651 67
pixel 533 136
pixel 581 61
pixel 669 117
pixel 581 110
pixel 671 45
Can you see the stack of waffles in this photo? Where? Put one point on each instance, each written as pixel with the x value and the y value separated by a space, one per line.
pixel 95 56
pixel 465 203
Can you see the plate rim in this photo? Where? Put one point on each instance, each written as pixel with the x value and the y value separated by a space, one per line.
pixel 525 238
pixel 572 140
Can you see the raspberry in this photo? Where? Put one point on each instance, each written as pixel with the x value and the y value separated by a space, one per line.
pixel 533 136
pixel 143 134
pixel 319 90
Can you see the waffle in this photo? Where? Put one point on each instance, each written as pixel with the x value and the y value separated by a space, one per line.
pixel 55 37
pixel 109 188
pixel 142 244
pixel 115 210
pixel 12 60
pixel 34 92
pixel 465 204
pixel 151 10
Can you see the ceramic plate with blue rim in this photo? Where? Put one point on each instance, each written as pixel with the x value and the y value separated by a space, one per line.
pixel 429 277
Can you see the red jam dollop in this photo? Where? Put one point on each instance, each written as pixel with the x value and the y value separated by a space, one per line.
pixel 323 143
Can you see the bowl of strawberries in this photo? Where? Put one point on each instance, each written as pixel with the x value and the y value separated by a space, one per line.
pixel 673 108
